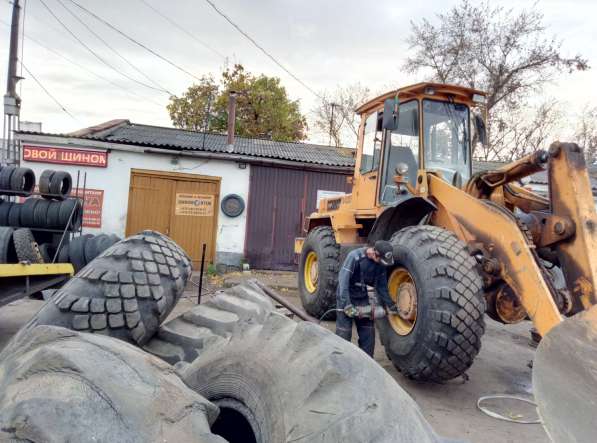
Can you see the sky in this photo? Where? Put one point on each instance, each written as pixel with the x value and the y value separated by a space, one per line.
pixel 324 43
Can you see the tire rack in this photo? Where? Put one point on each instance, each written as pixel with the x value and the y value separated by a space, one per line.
pixel 22 279
pixel 64 231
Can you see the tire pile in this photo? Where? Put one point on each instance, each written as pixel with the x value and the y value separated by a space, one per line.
pixel 25 228
pixel 229 370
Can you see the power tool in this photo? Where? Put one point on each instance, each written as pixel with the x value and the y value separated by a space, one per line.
pixel 371 311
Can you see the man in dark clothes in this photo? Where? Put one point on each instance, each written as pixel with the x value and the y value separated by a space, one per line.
pixel 364 267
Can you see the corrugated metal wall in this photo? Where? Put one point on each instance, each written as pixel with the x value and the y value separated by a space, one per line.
pixel 279 199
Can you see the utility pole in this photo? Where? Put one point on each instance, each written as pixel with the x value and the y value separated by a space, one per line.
pixel 12 102
pixel 333 105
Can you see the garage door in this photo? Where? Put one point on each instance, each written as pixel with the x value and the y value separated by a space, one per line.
pixel 279 200
pixel 182 206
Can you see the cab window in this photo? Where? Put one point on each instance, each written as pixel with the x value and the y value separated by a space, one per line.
pixel 447 139
pixel 371 144
pixel 402 146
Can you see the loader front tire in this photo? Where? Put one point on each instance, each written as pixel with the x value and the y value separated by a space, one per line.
pixel 438 332
pixel 318 272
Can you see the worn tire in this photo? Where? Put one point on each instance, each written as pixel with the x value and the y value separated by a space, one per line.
pixel 14 215
pixel 7 249
pixel 446 336
pixel 44 183
pixel 54 215
pixel 58 385
pixel 77 251
pixel 47 251
pixel 284 381
pixel 27 215
pixel 63 254
pixel 126 292
pixel 22 182
pixel 61 184
pixel 322 242
pixel 4 211
pixel 40 214
pixel 26 247
pixel 98 244
pixel 5 177
pixel 66 208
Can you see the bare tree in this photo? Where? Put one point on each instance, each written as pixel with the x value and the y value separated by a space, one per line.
pixel 520 129
pixel 586 133
pixel 334 115
pixel 500 51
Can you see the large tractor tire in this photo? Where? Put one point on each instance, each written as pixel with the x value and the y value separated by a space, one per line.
pixel 318 272
pixel 438 291
pixel 126 292
pixel 58 385
pixel 276 380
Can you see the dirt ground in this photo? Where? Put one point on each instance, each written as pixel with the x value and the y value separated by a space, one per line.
pixel 501 368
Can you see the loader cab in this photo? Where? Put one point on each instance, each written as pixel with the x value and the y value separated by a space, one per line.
pixel 425 126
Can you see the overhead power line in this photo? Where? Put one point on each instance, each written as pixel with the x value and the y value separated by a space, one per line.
pixel 258 46
pixel 95 54
pixel 82 67
pixel 176 25
pixel 111 26
pixel 111 48
pixel 60 105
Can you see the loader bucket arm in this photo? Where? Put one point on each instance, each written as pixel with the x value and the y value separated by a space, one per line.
pixel 480 221
pixel 572 201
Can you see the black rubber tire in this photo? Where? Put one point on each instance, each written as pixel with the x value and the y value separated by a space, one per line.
pixel 26 246
pixel 289 381
pixel 27 218
pixel 61 184
pixel 63 254
pixel 4 211
pixel 66 207
pixel 122 394
pixel 8 254
pixel 22 182
pixel 322 241
pixel 5 179
pixel 47 251
pixel 76 251
pixel 126 292
pixel 44 183
pixel 98 244
pixel 40 214
pixel 14 215
pixel 446 336
pixel 54 215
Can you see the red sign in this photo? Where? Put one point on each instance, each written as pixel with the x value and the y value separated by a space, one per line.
pixel 65 156
pixel 92 207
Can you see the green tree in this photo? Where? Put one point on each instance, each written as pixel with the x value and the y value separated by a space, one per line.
pixel 263 108
pixel 190 110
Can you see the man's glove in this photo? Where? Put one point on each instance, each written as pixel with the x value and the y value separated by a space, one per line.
pixel 350 311
pixel 392 309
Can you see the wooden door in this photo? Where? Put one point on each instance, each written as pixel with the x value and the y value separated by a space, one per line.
pixel 150 203
pixel 182 206
pixel 194 218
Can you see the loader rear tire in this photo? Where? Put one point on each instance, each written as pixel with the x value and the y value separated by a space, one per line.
pixel 318 272
pixel 443 336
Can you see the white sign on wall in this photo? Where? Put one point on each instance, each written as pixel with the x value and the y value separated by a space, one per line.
pixel 326 194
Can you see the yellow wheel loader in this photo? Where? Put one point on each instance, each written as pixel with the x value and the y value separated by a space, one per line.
pixel 465 244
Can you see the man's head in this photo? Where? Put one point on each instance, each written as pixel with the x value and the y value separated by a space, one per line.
pixel 381 252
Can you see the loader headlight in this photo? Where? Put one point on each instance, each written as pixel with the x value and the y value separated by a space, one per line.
pixel 401 168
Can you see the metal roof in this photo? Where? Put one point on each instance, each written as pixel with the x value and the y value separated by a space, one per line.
pixel 125 132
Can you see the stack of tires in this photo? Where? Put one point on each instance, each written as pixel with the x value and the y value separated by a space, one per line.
pixel 32 230
pixel 55 210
